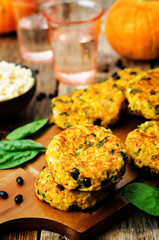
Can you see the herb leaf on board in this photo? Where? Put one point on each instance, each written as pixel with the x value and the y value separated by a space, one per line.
pixel 21 145
pixel 143 196
pixel 27 129
pixel 14 159
pixel 16 152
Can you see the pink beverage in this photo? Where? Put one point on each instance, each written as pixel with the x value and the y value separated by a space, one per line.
pixel 74 27
pixel 75 56
pixel 33 38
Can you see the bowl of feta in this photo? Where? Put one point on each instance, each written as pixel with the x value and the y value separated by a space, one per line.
pixel 17 88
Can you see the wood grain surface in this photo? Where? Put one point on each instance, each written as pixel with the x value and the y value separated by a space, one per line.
pixel 137 225
pixel 34 214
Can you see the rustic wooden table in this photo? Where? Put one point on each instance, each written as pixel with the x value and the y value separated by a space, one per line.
pixel 138 225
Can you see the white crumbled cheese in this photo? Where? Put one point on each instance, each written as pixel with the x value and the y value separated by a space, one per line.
pixel 14 80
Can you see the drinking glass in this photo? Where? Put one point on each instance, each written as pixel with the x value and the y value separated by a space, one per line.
pixel 74 28
pixel 32 30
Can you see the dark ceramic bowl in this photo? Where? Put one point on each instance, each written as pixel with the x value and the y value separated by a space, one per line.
pixel 10 108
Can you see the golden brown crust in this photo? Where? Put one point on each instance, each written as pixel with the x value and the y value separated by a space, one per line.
pixel 124 76
pixel 143 95
pixel 86 157
pixel 49 191
pixel 142 145
pixel 99 104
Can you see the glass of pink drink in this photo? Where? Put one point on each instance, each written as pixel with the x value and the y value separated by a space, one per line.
pixel 32 30
pixel 74 28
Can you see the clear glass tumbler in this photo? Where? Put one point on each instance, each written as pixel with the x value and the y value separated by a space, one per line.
pixel 32 30
pixel 74 28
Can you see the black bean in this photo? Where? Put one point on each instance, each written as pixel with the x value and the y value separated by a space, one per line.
pixel 75 173
pixel 119 64
pixel 51 95
pixel 133 73
pixel 112 151
pixel 146 78
pixel 87 182
pixel 40 96
pixel 146 171
pixel 36 71
pixel 152 92
pixel 115 76
pixel 93 134
pixel 18 199
pixel 3 194
pixel 97 121
pixel 157 109
pixel 105 69
pixel 60 187
pixel 20 181
pixel 124 156
pixel 43 167
pixel 139 150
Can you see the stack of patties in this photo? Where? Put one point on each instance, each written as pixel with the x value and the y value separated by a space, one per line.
pixel 84 162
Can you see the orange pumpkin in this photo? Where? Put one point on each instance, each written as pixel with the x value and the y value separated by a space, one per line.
pixel 132 28
pixel 7 20
pixel 24 8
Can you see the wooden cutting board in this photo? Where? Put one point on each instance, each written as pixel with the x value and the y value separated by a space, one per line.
pixel 34 214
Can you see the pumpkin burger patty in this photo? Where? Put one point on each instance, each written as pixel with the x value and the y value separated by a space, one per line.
pixel 99 104
pixel 86 157
pixel 57 196
pixel 124 76
pixel 142 145
pixel 143 95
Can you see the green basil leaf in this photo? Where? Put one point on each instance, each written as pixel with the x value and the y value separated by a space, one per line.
pixel 21 145
pixel 14 159
pixel 27 129
pixel 143 196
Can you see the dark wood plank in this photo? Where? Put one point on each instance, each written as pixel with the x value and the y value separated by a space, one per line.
pixel 21 235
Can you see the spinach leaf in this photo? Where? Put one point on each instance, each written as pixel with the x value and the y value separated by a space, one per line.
pixel 27 129
pixel 143 196
pixel 13 159
pixel 16 152
pixel 21 145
